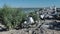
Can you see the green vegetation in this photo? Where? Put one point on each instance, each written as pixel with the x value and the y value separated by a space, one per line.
pixel 11 17
pixel 34 15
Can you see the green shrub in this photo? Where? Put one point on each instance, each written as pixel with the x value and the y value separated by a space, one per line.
pixel 11 16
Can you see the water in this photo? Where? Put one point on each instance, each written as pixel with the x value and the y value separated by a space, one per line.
pixel 28 10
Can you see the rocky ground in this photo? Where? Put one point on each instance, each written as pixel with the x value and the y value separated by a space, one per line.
pixel 24 31
pixel 33 30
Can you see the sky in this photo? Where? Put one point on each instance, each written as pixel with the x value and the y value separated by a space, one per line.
pixel 30 3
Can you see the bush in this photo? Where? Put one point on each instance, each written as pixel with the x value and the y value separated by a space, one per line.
pixel 11 16
pixel 34 15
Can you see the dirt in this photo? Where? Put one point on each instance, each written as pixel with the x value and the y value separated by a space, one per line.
pixel 32 31
pixel 25 31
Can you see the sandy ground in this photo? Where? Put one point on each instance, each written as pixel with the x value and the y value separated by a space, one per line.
pixel 30 32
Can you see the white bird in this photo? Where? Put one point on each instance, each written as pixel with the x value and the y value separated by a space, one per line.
pixel 25 22
pixel 42 16
pixel 31 20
